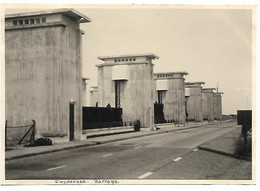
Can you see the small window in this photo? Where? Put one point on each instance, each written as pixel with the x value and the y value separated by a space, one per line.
pixel 26 21
pixel 126 59
pixel 15 22
pixel 32 21
pixel 115 60
pixel 133 59
pixel 119 60
pixel 38 21
pixel 123 60
pixel 20 22
pixel 44 20
pixel 130 59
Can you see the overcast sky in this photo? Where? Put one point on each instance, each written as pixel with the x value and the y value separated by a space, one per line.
pixel 212 45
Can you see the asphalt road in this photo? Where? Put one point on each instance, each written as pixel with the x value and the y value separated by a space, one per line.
pixel 171 155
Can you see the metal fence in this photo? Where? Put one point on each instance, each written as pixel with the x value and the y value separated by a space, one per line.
pixel 18 132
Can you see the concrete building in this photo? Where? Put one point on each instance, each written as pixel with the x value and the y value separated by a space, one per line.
pixel 43 71
pixel 84 90
pixel 127 82
pixel 193 99
pixel 218 105
pixel 208 103
pixel 94 96
pixel 170 88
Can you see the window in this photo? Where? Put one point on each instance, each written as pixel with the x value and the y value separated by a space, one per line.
pixel 126 59
pixel 31 21
pixel 20 22
pixel 160 97
pixel 130 59
pixel 44 20
pixel 133 59
pixel 38 21
pixel 123 60
pixel 115 60
pixel 26 21
pixel 119 60
pixel 117 94
pixel 15 22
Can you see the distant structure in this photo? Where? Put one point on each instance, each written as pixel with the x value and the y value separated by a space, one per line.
pixel 125 81
pixel 43 71
pixel 193 99
pixel 170 88
pixel 218 105
pixel 84 90
pixel 94 96
pixel 208 104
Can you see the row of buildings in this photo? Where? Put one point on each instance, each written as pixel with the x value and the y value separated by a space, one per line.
pixel 43 80
pixel 128 81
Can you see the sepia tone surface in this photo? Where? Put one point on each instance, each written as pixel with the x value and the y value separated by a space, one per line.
pixel 167 67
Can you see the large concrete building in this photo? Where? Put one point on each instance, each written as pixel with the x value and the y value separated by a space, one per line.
pixel 43 71
pixel 127 82
pixel 208 103
pixel 218 105
pixel 193 96
pixel 170 88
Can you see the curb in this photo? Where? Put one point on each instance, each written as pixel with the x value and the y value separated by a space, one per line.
pixel 225 153
pixel 108 141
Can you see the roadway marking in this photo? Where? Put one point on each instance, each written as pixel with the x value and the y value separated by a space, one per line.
pixel 177 159
pixel 138 147
pixel 195 150
pixel 145 175
pixel 56 167
pixel 107 155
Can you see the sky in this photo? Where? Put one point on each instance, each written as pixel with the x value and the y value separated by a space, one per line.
pixel 212 45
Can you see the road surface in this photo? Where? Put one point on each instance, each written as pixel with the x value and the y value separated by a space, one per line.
pixel 172 155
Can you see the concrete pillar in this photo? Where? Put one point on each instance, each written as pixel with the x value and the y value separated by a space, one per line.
pixel 127 81
pixel 208 103
pixel 171 86
pixel 193 95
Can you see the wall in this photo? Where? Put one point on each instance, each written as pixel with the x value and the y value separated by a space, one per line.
pixel 136 101
pixel 43 73
pixel 93 98
pixel 194 104
pixel 217 106
pixel 208 105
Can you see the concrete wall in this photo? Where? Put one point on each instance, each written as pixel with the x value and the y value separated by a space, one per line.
pixel 194 103
pixel 217 106
pixel 93 98
pixel 136 92
pixel 43 73
pixel 208 105
pixel 173 98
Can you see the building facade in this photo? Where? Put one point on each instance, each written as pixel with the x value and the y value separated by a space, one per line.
pixel 127 82
pixel 169 91
pixel 94 96
pixel 43 71
pixel 218 105
pixel 208 103
pixel 193 99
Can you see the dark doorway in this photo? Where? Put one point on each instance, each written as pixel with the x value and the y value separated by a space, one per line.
pixel 71 136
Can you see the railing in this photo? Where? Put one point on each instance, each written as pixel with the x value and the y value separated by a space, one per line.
pixel 20 134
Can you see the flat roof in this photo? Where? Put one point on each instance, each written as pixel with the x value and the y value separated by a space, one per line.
pixel 191 83
pixel 149 55
pixel 167 73
pixel 73 14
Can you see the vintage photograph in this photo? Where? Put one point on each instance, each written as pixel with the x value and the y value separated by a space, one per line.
pixel 128 94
